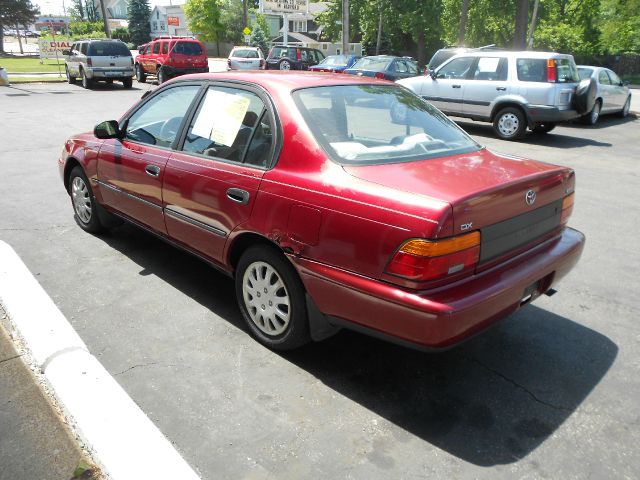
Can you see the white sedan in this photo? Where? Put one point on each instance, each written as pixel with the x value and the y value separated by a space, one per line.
pixel 613 95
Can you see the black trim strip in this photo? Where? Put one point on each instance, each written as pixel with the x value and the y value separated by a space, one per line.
pixel 455 100
pixel 129 195
pixel 194 222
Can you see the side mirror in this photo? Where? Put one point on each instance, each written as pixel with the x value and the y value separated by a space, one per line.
pixel 66 52
pixel 108 129
pixel 433 74
pixel 624 83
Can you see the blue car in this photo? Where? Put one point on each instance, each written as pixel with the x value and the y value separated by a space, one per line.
pixel 335 63
pixel 386 67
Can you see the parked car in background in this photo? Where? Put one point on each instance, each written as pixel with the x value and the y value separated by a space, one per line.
pixel 245 58
pixel 292 58
pixel 613 95
pixel 512 90
pixel 168 57
pixel 385 67
pixel 404 229
pixel 99 60
pixel 335 63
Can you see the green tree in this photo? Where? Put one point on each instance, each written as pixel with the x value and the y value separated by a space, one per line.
pixel 232 21
pixel 139 27
pixel 15 13
pixel 620 26
pixel 259 39
pixel 121 33
pixel 204 18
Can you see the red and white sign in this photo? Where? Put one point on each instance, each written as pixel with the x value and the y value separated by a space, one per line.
pixel 175 21
pixel 49 48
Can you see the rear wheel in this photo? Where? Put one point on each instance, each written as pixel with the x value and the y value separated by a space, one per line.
pixel 140 76
pixel 83 201
pixel 127 82
pixel 510 124
pixel 284 65
pixel 86 82
pixel 271 298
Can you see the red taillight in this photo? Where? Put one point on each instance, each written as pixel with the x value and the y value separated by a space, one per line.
pixel 567 208
pixel 551 70
pixel 423 260
pixel 379 75
pixel 89 62
pixel 298 54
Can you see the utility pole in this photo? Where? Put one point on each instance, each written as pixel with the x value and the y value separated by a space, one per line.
pixel 107 30
pixel 463 22
pixel 534 21
pixel 345 27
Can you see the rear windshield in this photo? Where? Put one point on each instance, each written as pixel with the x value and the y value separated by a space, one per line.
pixel 374 124
pixel 374 64
pixel 585 73
pixel 187 48
pixel 535 70
pixel 108 49
pixel 245 54
pixel 335 60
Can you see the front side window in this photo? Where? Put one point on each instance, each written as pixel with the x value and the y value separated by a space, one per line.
pixel 156 47
pixel 491 68
pixel 457 68
pixel 165 47
pixel 158 121
pixel 231 124
pixel 615 79
pixel 371 124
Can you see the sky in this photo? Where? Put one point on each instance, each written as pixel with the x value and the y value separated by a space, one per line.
pixel 56 7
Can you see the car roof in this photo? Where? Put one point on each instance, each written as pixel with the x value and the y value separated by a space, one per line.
pixel 511 53
pixel 285 81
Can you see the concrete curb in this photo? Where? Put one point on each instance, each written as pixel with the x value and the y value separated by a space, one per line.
pixel 121 438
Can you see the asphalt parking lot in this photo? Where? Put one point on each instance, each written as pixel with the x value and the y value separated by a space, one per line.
pixel 549 393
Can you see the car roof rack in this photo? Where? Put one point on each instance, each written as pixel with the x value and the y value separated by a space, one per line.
pixel 171 37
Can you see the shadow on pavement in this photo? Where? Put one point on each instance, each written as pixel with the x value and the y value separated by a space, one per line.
pixel 551 139
pixel 491 401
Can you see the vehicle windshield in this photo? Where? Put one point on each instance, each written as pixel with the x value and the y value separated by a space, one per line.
pixel 373 63
pixel 374 124
pixel 245 53
pixel 187 48
pixel 108 49
pixel 585 72
pixel 334 60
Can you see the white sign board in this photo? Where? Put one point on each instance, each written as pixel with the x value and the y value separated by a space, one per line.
pixel 48 48
pixel 285 6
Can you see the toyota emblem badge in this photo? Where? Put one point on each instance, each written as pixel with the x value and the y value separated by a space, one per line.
pixel 530 197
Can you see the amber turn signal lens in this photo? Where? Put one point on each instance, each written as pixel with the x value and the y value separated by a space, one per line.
pixel 567 202
pixel 426 248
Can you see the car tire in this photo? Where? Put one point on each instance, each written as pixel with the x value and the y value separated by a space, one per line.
pixel 140 76
pixel 127 82
pixel 83 201
pixel 585 97
pixel 627 106
pixel 544 127
pixel 71 80
pixel 271 298
pixel 162 75
pixel 592 117
pixel 284 65
pixel 510 124
pixel 86 82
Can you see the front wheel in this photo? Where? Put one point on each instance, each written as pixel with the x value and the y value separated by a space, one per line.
pixel 83 201
pixel 625 110
pixel 162 75
pixel 510 124
pixel 70 79
pixel 271 298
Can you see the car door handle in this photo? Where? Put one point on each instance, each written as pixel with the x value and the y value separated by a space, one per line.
pixel 238 195
pixel 456 86
pixel 152 170
pixel 501 89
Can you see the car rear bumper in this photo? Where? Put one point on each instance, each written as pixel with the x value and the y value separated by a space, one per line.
pixel 96 73
pixel 544 113
pixel 443 317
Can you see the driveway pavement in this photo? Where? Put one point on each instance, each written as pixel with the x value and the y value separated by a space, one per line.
pixel 549 393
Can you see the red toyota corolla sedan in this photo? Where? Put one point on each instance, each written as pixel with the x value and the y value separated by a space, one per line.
pixel 333 202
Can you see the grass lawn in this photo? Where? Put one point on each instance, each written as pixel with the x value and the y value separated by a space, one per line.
pixel 36 79
pixel 30 64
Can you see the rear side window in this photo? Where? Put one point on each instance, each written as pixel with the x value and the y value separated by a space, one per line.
pixel 165 47
pixel 83 48
pixel 112 49
pixel 603 78
pixel 156 47
pixel 532 69
pixel 491 68
pixel 187 48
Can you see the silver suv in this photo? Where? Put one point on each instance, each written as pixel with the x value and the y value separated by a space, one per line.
pixel 94 60
pixel 513 90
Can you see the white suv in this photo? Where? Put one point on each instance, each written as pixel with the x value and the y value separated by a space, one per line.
pixel 245 58
pixel 94 60
pixel 513 90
